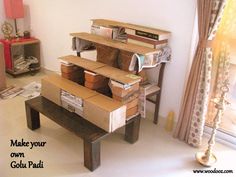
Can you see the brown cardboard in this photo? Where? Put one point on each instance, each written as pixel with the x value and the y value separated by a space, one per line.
pixel 127 98
pixel 93 78
pixel 121 92
pixel 51 91
pixel 132 111
pixel 70 86
pixel 101 110
pixel 68 69
pixel 105 112
pixel 96 85
pixel 132 103
pixel 84 63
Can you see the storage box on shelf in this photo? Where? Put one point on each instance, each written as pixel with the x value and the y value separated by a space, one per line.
pixel 21 55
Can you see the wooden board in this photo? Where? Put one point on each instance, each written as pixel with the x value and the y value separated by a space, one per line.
pixel 108 23
pixel 118 75
pixel 103 69
pixel 115 44
pixel 82 62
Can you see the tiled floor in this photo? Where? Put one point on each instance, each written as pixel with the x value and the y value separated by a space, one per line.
pixel 155 154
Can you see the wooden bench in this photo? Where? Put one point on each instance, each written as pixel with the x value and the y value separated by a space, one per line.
pixel 91 134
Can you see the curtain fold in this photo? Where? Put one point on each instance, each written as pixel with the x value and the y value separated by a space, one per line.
pixel 224 43
pixel 194 106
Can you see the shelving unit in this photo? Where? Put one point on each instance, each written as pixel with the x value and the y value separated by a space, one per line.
pixel 24 47
pixel 138 49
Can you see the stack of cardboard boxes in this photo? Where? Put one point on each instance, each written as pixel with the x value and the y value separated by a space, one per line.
pixel 96 82
pixel 128 96
pixel 101 110
pixel 85 98
pixel 72 72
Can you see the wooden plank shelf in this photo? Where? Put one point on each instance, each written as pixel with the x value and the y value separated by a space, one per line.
pixel 82 62
pixel 115 44
pixel 102 69
pixel 118 75
pixel 109 23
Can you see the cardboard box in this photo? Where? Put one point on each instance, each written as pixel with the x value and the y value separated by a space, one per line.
pixel 105 112
pixel 132 103
pixel 72 108
pixel 127 98
pixel 121 92
pixel 50 91
pixel 52 86
pixel 75 76
pixel 132 111
pixel 68 68
pixel 93 77
pixel 96 85
pixel 100 110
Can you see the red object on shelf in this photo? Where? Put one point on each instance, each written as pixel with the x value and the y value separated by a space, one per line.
pixel 14 8
pixel 7 49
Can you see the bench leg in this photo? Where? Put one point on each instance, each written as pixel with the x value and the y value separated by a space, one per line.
pixel 132 130
pixel 158 97
pixel 91 155
pixel 157 106
pixel 32 116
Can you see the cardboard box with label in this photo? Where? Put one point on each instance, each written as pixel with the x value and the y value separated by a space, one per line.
pixel 102 111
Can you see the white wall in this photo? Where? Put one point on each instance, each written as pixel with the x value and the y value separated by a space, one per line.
pixel 52 21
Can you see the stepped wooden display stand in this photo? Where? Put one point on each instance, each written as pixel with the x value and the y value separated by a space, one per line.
pixel 88 126
pixel 156 90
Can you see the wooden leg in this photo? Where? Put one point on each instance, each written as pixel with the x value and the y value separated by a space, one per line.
pixel 157 106
pixel 32 116
pixel 132 130
pixel 158 97
pixel 91 155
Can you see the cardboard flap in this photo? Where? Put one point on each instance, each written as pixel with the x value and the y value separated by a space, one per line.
pixel 105 102
pixel 82 62
pixel 70 86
